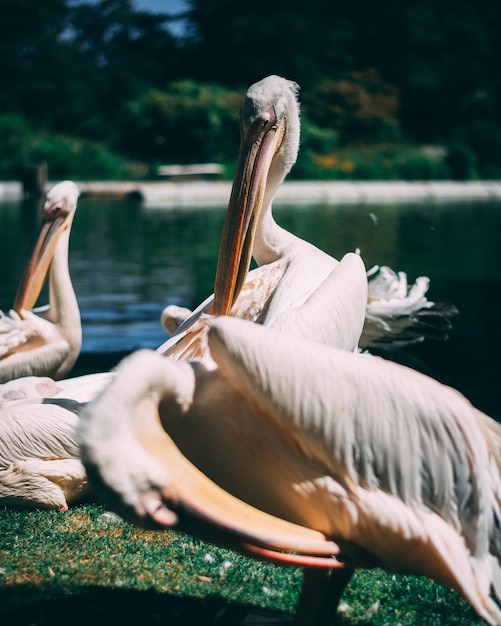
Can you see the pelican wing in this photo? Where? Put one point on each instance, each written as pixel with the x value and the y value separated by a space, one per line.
pixel 411 476
pixel 39 455
pixel 30 346
pixel 14 332
pixel 189 340
pixel 348 411
pixel 45 358
pixel 333 313
pixel 399 314
pixel 37 428
pixel 83 389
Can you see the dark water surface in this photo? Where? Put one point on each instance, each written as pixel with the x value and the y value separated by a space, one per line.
pixel 128 262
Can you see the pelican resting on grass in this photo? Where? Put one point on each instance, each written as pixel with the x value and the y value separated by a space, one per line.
pixel 387 466
pixel 39 458
pixel 45 341
pixel 296 287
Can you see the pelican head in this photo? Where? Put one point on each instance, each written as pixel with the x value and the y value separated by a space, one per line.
pixel 269 130
pixel 57 217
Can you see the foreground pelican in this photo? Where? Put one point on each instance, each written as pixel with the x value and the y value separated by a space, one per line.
pixel 399 470
pixel 297 288
pixel 48 342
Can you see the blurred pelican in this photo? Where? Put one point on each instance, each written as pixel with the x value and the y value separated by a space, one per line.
pixel 399 470
pixel 45 342
pixel 297 288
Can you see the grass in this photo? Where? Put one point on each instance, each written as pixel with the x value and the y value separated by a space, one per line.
pixel 83 567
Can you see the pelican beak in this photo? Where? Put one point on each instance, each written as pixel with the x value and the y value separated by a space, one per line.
pixel 258 145
pixel 193 504
pixel 54 221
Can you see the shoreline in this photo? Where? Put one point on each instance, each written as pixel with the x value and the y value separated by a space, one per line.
pixel 217 193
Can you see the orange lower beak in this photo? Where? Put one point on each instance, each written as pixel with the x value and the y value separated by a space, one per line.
pixel 194 504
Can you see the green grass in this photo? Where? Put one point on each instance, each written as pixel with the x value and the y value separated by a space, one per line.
pixel 78 568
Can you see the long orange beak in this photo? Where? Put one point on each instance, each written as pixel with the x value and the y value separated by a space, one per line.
pixel 37 268
pixel 257 147
pixel 192 503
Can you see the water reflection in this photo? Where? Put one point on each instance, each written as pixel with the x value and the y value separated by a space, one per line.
pixel 128 262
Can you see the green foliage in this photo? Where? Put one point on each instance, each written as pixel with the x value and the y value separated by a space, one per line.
pixel 67 157
pixel 15 133
pixel 360 106
pixel 187 122
pixel 418 72
pixel 376 162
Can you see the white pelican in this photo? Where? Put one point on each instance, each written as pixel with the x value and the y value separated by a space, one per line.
pixel 39 457
pixel 297 288
pixel 46 342
pixel 370 454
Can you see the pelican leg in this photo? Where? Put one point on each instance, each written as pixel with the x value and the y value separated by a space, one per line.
pixel 320 594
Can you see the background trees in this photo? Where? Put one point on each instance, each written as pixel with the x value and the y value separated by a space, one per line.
pixel 378 78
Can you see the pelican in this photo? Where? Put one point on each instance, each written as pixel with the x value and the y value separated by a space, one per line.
pixel 45 341
pixel 388 467
pixel 39 458
pixel 296 288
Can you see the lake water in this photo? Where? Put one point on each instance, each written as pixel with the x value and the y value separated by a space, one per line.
pixel 128 262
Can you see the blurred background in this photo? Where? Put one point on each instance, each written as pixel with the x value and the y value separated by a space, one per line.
pixel 114 88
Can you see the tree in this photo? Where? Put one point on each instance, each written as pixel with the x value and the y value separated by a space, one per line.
pixel 435 53
pixel 187 122
pixel 29 52
pixel 70 67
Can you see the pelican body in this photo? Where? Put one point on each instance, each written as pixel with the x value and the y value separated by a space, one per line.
pixel 39 457
pixel 394 468
pixel 45 342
